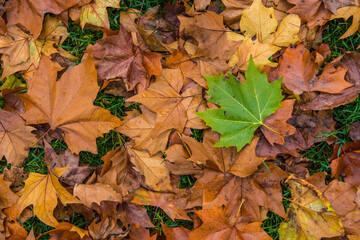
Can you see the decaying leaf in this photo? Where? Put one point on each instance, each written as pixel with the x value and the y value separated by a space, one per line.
pixel 311 215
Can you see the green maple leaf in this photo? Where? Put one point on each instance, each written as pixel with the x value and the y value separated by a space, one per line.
pixel 243 106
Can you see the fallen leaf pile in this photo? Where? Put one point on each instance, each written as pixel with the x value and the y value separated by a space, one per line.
pixel 254 78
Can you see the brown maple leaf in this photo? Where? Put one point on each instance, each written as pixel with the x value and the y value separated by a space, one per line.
pixel 15 137
pixel 260 189
pixel 119 172
pixel 30 13
pixel 117 57
pixel 210 33
pixel 226 160
pixel 195 68
pixel 227 172
pixel 215 225
pixel 312 12
pixel 311 127
pixel 157 176
pixel 325 101
pixel 302 75
pixel 277 122
pixel 176 233
pixel 67 105
pixel 140 128
pixel 172 108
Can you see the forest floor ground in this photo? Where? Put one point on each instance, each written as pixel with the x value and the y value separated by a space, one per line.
pixel 77 42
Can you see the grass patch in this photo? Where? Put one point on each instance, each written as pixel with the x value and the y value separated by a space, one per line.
pixel 272 223
pixel 158 217
pixel 318 155
pixel 332 33
pixel 78 40
pixel 38 226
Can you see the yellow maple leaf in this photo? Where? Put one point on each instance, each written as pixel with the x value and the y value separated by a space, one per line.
pixel 42 191
pixel 258 20
pixel 259 51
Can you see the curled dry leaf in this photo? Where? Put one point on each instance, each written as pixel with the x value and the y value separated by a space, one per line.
pixel 119 173
pixel 108 222
pixel 75 174
pixel 67 105
pixel 66 230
